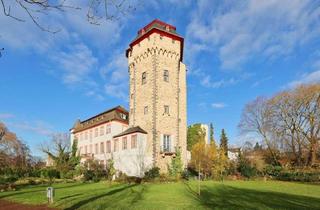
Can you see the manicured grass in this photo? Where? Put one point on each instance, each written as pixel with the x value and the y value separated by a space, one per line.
pixel 182 195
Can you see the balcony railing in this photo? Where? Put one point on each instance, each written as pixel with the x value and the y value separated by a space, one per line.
pixel 167 150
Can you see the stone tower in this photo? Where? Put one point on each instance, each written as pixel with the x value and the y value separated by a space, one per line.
pixel 158 91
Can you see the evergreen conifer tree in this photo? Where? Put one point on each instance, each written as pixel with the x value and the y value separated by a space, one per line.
pixel 224 142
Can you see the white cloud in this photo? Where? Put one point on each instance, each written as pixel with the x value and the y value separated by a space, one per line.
pixel 4 116
pixel 259 82
pixel 308 78
pixel 241 30
pixel 77 63
pixel 207 81
pixel 38 127
pixel 218 105
pixel 115 75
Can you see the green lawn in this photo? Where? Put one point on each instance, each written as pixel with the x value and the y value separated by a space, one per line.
pixel 215 195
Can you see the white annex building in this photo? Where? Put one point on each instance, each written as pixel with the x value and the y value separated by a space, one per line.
pixel 155 127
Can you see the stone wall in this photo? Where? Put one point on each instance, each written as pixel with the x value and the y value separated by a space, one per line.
pixel 153 55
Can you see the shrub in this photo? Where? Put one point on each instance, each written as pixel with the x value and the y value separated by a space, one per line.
pixel 88 175
pixel 273 170
pixel 299 176
pixel 185 174
pixel 152 173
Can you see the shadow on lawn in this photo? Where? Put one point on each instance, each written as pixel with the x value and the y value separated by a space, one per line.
pixel 20 189
pixel 223 196
pixel 94 198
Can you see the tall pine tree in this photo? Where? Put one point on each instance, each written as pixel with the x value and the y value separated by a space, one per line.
pixel 224 142
pixel 211 134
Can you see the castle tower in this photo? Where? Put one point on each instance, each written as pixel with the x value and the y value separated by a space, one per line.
pixel 158 91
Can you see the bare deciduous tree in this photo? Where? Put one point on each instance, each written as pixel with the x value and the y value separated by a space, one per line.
pixel 256 118
pixel 290 121
pixel 97 10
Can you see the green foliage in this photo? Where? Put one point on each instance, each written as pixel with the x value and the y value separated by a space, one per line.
pixel 50 173
pixel 176 167
pixel 224 142
pixel 299 176
pixel 152 173
pixel 111 171
pixel 75 158
pixel 219 169
pixel 94 171
pixel 211 134
pixel 194 135
pixel 245 167
pixel 273 170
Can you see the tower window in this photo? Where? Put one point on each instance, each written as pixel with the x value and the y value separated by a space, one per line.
pixel 144 78
pixel 145 111
pixel 166 145
pixel 166 109
pixel 124 143
pixel 166 75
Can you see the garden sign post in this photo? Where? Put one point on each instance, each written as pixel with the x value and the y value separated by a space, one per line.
pixel 50 194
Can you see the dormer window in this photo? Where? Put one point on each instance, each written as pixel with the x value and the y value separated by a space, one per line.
pixel 167 28
pixel 123 116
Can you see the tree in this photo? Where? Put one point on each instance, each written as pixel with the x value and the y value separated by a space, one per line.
pixel 176 166
pixel 14 154
pixel 220 164
pixel 111 171
pixel 288 124
pixel 64 157
pixel 211 133
pixel 97 10
pixel 195 134
pixel 257 147
pixel 224 142
pixel 256 119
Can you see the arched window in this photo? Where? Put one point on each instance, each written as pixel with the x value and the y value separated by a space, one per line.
pixel 144 78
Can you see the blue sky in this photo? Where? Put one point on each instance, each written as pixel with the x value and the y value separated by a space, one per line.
pixel 234 51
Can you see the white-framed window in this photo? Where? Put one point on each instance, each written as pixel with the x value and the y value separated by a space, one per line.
pixel 145 110
pixel 96 132
pixel 108 145
pixel 102 147
pixel 115 145
pixel 108 128
pixel 96 149
pixel 134 141
pixel 86 135
pixel 85 149
pixel 124 143
pixel 81 136
pixel 90 134
pixel 166 109
pixel 90 149
pixel 101 130
pixel 166 75
pixel 144 78
pixel 166 144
